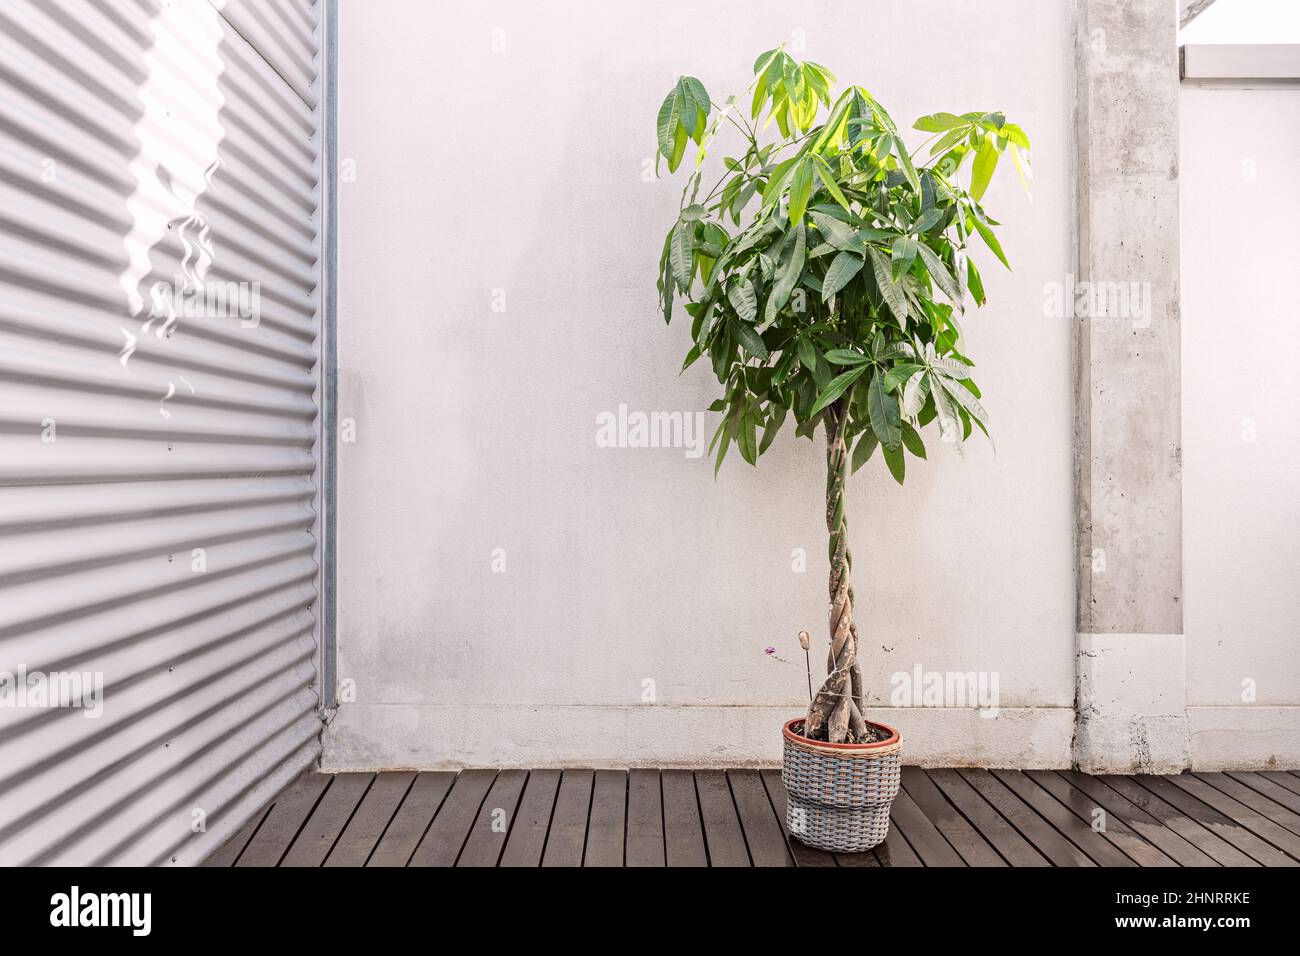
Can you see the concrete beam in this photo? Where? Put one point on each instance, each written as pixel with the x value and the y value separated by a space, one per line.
pixel 1266 63
pixel 1131 677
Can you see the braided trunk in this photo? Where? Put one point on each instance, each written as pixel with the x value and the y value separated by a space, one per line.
pixel 836 712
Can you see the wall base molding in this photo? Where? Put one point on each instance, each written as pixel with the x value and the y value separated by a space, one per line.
pixel 1250 737
pixel 433 737
pixel 370 737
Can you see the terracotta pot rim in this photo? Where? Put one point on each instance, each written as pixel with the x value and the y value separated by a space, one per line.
pixel 788 731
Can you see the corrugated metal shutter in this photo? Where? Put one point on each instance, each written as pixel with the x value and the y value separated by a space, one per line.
pixel 157 442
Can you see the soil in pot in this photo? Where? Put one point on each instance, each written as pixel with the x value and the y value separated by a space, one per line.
pixel 875 734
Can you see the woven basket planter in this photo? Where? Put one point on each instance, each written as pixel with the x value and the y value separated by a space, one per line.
pixel 838 795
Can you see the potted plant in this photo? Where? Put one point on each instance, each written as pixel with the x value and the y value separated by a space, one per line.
pixel 825 273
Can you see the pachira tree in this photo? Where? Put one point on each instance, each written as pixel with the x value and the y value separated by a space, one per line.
pixel 826 273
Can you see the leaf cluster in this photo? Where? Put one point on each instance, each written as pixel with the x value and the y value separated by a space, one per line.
pixel 828 266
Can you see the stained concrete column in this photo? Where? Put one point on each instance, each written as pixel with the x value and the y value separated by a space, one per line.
pixel 1131 700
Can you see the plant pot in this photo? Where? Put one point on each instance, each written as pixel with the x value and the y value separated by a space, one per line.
pixel 838 795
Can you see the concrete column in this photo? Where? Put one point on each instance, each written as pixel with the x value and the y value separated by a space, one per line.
pixel 1131 703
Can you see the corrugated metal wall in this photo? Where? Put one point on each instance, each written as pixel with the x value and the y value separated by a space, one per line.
pixel 159 198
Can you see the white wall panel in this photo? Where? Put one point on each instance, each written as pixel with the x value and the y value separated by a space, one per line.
pixel 1240 149
pixel 475 427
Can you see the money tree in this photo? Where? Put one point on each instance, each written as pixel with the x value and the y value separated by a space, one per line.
pixel 826 273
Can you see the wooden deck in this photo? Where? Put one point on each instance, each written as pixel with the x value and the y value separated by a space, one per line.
pixel 735 818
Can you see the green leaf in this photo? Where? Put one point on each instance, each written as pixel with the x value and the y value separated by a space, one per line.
pixel 821 373
pixel 747 439
pixel 790 74
pixel 939 272
pixel 832 133
pixel 722 446
pixel 966 400
pixel 700 97
pixel 765 60
pixel 776 182
pixel 838 386
pixel 1015 135
pixel 693 212
pixel 755 233
pixel 680 139
pixel 986 160
pixel 774 424
pixel 946 411
pixel 771 74
pixel 904 253
pixel 926 220
pixel 896 350
pixel 896 142
pixel 665 282
pixel 900 374
pixel 952 367
pixel 760 96
pixel 846 357
pixel 718 406
pixel 703 322
pixel 667 126
pixel 800 187
pixel 680 255
pixel 974 283
pixel 807 353
pixel 912 441
pixel 1023 169
pixel 841 271
pixel 781 371
pixel 888 288
pixel 819 78
pixel 897 466
pixel 862 451
pixel 742 200
pixel 744 300
pixel 788 273
pixel 835 212
pixel 938 122
pixel 749 339
pixel 691 358
pixel 687 108
pixel 882 410
pixel 838 234
pixel 905 161
pixel 948 141
pixel 914 393
pixel 991 241
pixel 827 177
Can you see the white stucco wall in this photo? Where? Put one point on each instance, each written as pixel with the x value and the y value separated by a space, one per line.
pixel 1240 251
pixel 467 170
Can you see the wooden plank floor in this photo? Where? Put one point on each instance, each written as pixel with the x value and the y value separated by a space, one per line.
pixel 737 818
